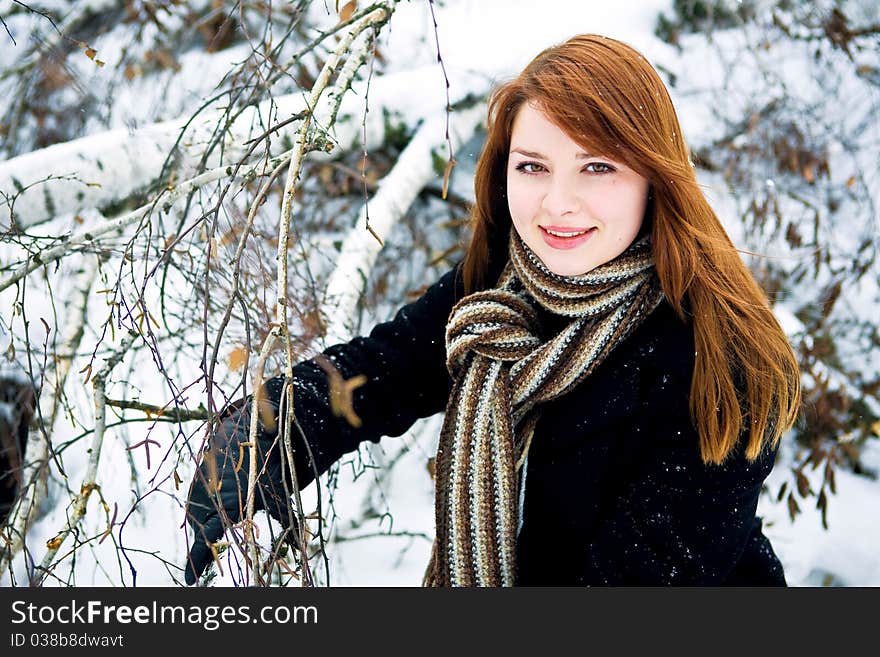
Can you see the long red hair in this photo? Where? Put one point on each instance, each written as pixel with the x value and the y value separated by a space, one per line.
pixel 608 98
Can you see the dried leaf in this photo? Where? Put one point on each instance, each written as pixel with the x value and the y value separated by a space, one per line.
pixel 432 467
pixel 341 392
pixel 241 448
pixel 793 508
pixel 237 358
pixel 803 484
pixel 210 461
pixel 830 298
pixel 304 78
pixel 782 490
pixel 792 236
pixel 267 413
pixel 446 175
pixel 822 504
pixel 816 458
pixel 851 182
pixel 90 53
pixel 341 400
pixel 807 173
pixel 54 543
pixel 347 10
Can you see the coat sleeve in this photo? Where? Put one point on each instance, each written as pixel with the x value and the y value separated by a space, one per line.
pixel 404 362
pixel 675 520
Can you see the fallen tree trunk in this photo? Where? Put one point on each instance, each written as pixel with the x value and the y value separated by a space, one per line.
pixel 100 170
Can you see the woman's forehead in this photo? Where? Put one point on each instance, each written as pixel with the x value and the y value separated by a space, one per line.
pixel 534 134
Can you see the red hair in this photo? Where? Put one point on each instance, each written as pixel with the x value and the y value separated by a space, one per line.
pixel 608 98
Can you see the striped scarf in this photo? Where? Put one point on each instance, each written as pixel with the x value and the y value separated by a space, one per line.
pixel 502 372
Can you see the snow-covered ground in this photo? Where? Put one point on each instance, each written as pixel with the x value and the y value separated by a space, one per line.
pixel 489 39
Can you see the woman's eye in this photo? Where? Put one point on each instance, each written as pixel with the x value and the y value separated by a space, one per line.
pixel 599 167
pixel 529 167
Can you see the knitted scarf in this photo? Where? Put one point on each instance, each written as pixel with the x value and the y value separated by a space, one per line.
pixel 502 372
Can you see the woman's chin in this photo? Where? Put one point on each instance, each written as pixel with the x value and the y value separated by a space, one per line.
pixel 566 269
pixel 563 263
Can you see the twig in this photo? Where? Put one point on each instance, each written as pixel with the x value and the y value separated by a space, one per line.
pixel 281 330
pixel 450 160
pixel 404 534
pixel 37 451
pixel 412 171
pixel 168 198
pixel 89 482
pixel 153 411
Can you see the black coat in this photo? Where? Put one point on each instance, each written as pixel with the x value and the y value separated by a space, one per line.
pixel 616 492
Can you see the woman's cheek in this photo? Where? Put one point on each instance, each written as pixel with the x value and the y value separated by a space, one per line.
pixel 521 203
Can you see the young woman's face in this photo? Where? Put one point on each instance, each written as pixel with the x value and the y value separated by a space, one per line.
pixel 553 185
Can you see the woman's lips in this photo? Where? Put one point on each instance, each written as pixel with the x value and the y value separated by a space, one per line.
pixel 566 242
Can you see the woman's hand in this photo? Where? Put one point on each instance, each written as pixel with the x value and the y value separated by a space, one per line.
pixel 218 493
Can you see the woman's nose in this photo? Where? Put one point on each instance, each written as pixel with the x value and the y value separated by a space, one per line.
pixel 560 199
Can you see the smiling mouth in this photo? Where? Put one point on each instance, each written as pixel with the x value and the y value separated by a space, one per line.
pixel 566 234
pixel 566 240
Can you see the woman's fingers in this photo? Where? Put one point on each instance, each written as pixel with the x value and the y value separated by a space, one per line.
pixel 201 554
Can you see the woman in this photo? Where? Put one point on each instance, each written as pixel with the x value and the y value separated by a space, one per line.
pixel 615 384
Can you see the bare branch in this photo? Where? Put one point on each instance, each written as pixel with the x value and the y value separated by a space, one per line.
pixel 413 170
pixel 89 484
pixel 37 451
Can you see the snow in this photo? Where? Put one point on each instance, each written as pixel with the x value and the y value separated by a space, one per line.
pixel 843 555
pixel 480 42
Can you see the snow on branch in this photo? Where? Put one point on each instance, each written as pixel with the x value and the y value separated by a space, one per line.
pixel 320 116
pixel 101 169
pixel 414 169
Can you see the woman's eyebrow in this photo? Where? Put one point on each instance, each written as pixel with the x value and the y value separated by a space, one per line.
pixel 534 154
pixel 540 156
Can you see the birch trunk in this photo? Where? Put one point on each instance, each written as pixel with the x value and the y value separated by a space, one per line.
pixel 99 170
